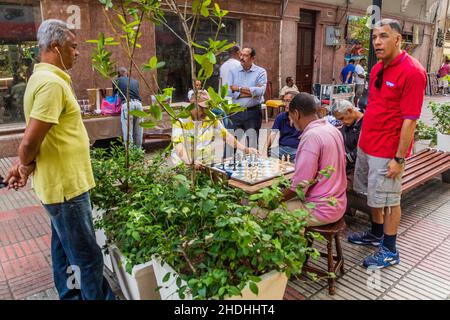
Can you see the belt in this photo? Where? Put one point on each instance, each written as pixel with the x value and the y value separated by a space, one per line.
pixel 254 107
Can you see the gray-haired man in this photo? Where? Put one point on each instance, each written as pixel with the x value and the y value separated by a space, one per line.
pixel 56 144
pixel 352 120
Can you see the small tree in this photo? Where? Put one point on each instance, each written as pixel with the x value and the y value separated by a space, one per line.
pixel 126 22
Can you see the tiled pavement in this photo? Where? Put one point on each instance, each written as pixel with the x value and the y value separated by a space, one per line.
pixel 424 242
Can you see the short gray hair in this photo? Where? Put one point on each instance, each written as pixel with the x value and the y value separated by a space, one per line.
pixel 394 24
pixel 342 106
pixel 293 93
pixel 52 30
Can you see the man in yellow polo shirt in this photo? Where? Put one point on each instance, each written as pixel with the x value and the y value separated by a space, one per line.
pixel 56 147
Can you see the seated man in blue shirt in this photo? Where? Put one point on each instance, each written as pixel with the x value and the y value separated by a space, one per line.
pixel 289 136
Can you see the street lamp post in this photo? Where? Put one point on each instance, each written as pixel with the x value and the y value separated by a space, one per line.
pixel 372 55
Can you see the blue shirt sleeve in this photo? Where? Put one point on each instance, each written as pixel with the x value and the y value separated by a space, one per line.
pixel 277 122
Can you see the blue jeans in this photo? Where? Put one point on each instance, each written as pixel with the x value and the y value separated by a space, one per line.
pixel 136 132
pixel 77 259
pixel 284 151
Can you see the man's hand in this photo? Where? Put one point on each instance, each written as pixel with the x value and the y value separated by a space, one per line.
pixel 394 169
pixel 234 88
pixel 252 151
pixel 18 175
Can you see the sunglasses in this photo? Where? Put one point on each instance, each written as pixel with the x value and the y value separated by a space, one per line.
pixel 379 80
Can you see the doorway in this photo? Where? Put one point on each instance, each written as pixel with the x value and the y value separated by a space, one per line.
pixel 305 50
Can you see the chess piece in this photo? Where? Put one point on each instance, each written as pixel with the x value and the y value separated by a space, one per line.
pixel 283 163
pixel 288 158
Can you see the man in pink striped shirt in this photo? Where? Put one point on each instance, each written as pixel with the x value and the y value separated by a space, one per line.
pixel 321 145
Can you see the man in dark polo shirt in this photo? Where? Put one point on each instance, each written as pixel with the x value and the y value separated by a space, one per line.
pixel 397 89
pixel 289 137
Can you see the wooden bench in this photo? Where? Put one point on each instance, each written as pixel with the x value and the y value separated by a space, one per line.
pixel 420 168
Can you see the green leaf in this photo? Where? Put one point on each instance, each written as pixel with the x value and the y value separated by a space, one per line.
pixel 224 91
pixel 136 236
pixel 156 112
pixel 254 288
pixel 166 277
pixel 208 205
pixel 196 6
pixel 139 113
pixel 148 124
pixel 234 291
pixel 221 291
pixel 199 46
pixel 152 62
pixel 211 57
pixel 199 58
pixel 122 19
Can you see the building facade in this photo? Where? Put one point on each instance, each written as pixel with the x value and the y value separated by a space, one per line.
pixel 309 40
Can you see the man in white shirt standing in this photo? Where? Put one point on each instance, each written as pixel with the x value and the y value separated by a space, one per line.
pixel 231 63
pixel 360 79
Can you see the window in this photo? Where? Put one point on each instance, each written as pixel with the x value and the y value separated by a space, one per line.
pixel 18 53
pixel 170 49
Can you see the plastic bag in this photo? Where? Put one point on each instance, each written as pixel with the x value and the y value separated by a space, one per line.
pixel 111 105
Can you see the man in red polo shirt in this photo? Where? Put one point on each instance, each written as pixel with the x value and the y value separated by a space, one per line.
pixel 397 89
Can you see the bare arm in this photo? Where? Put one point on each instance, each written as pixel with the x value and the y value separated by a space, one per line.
pixel 348 76
pixel 28 150
pixel 33 137
pixel 406 138
pixel 232 141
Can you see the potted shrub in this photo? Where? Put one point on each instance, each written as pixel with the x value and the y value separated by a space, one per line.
pixel 441 119
pixel 425 133
pixel 199 242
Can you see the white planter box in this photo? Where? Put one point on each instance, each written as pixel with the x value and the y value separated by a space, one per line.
pixel 145 278
pixel 141 283
pixel 271 287
pixel 443 142
pixel 101 239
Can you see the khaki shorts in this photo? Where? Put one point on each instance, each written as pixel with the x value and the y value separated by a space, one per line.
pixel 359 90
pixel 370 179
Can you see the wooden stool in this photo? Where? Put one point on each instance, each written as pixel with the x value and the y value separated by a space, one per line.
pixel 329 232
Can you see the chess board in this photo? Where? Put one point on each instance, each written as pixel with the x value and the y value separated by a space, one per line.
pixel 253 170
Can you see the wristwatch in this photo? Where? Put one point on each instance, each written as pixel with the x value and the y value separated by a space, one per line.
pixel 399 160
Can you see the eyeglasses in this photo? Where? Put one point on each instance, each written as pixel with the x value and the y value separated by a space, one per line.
pixel 287 101
pixel 379 80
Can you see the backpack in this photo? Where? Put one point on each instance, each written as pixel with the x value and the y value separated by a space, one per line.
pixel 111 105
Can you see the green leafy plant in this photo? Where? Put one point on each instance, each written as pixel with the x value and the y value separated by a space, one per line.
pixel 425 132
pixel 125 22
pixel 441 116
pixel 211 239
